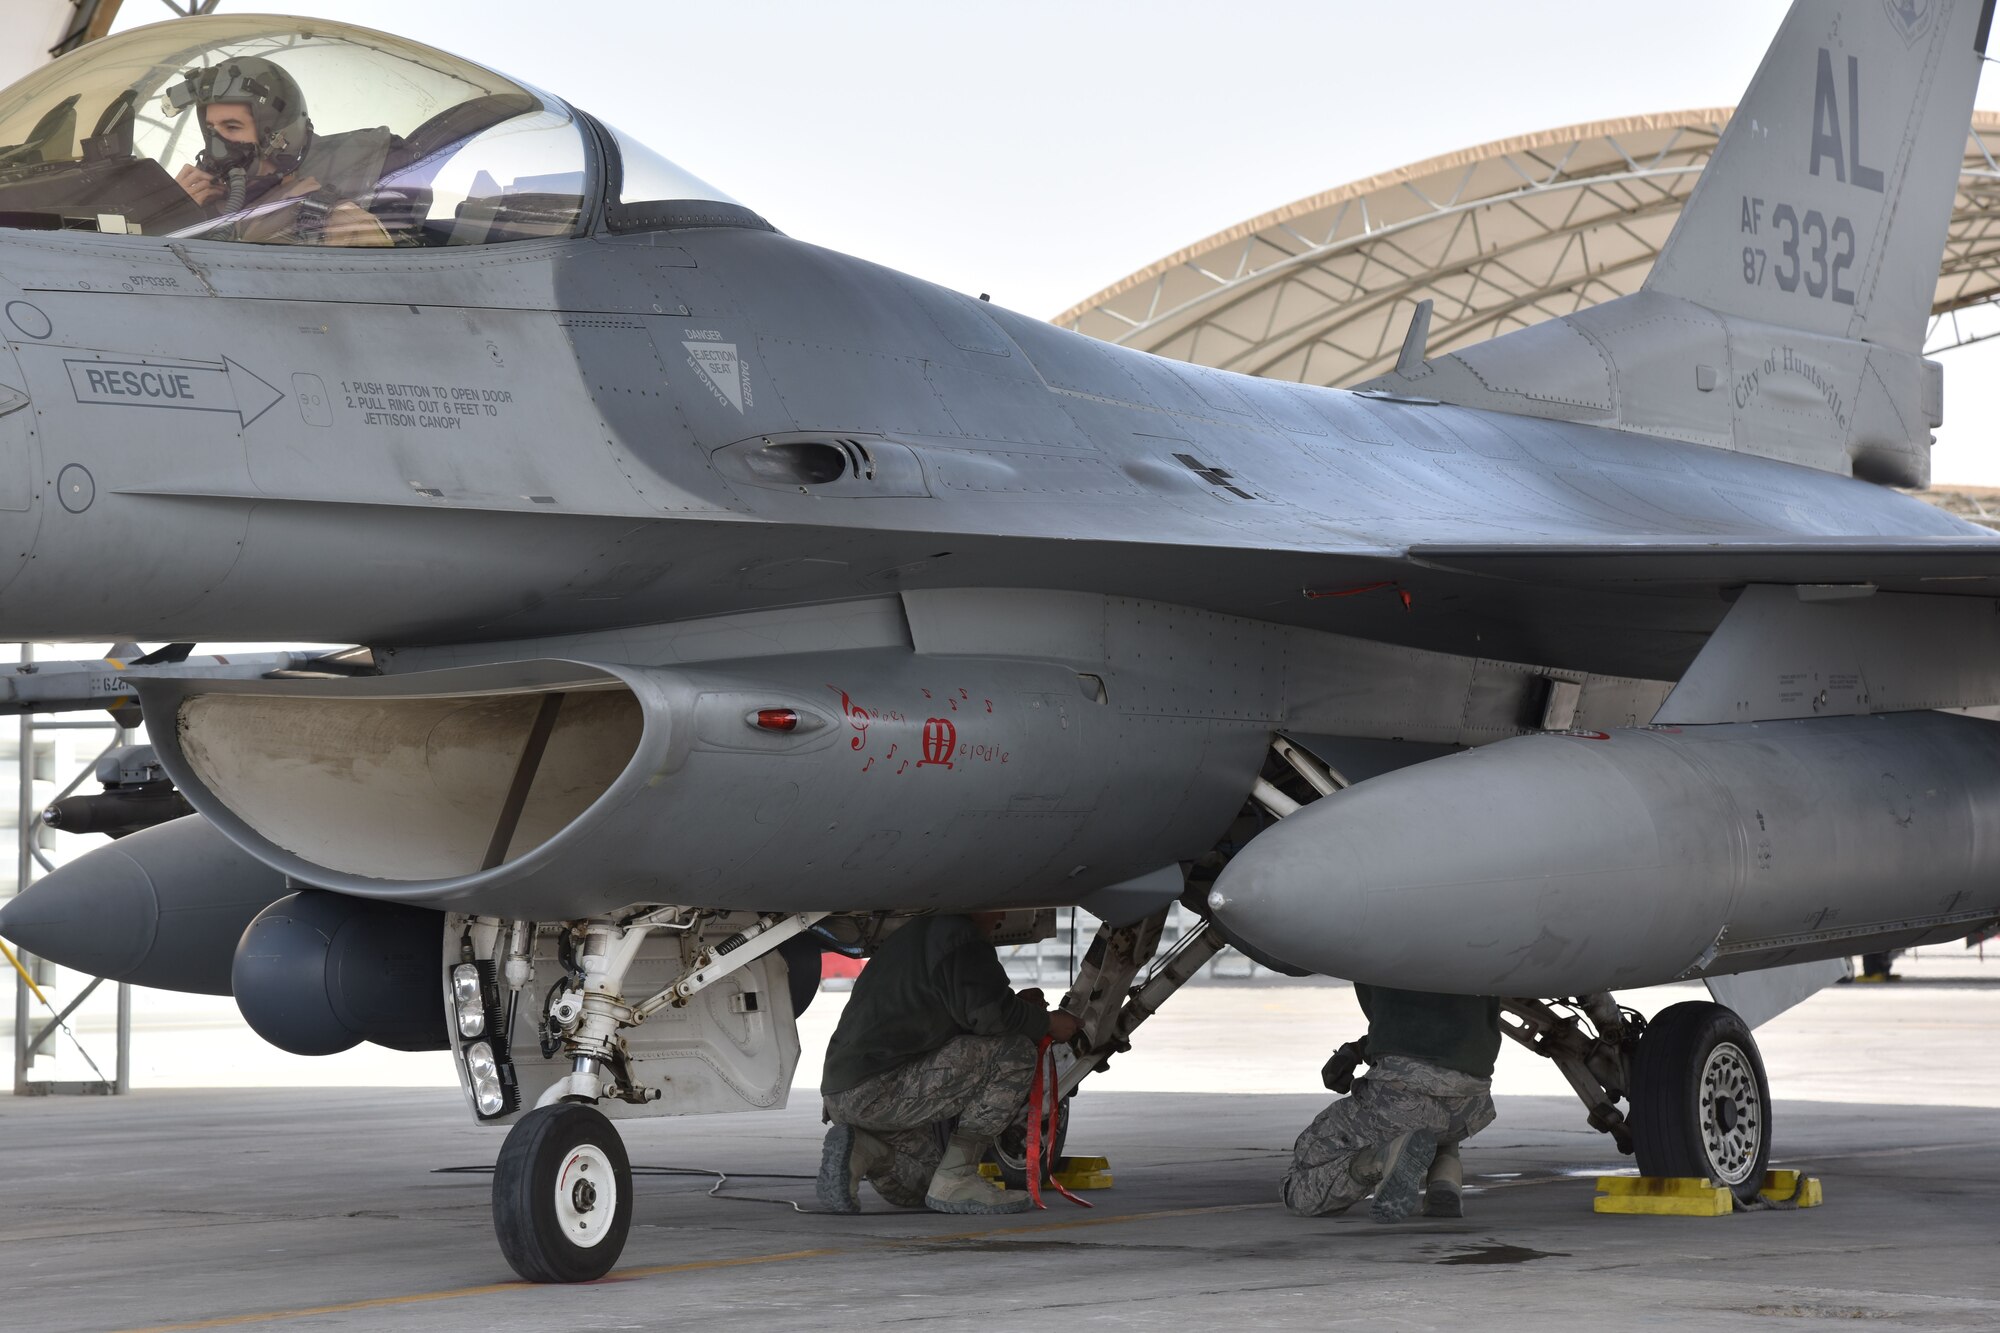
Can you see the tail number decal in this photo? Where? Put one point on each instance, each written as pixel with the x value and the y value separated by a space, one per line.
pixel 1812 252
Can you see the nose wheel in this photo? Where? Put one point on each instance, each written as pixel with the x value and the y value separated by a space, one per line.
pixel 562 1194
pixel 1700 1102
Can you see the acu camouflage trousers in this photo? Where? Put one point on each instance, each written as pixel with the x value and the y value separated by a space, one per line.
pixel 1398 1094
pixel 983 1081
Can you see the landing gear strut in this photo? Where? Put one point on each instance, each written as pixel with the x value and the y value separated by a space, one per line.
pixel 1696 1099
pixel 1109 1007
pixel 1591 1045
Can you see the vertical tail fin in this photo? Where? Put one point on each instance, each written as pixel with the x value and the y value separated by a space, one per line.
pixel 1785 316
pixel 1824 207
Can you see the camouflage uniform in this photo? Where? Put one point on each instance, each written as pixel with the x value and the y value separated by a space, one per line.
pixel 983 1081
pixel 1400 1093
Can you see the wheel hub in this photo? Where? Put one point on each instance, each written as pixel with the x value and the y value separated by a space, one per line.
pixel 1731 1114
pixel 586 1196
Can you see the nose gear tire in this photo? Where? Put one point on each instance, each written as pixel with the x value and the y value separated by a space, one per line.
pixel 562 1194
pixel 1700 1103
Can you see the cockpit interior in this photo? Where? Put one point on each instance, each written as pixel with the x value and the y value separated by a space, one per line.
pixel 289 131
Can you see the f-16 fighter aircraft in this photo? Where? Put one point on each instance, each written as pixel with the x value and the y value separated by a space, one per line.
pixel 718 600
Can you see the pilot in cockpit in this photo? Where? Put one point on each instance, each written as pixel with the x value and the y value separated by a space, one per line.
pixel 262 167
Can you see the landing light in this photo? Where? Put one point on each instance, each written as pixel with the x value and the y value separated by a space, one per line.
pixel 465 993
pixel 485 1071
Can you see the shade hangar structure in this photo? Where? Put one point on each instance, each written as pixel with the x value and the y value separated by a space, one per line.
pixel 1497 237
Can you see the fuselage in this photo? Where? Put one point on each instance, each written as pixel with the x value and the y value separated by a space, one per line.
pixel 230 442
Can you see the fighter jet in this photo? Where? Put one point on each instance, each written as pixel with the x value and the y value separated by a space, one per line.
pixel 718 600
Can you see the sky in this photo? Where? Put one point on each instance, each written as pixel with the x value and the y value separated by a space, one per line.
pixel 1041 151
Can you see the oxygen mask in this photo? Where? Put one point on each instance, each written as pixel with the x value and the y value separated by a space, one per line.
pixel 229 162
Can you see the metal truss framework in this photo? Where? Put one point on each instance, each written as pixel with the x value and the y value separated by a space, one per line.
pixel 90 21
pixel 28 858
pixel 1498 237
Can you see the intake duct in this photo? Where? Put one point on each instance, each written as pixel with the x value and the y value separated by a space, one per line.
pixel 549 790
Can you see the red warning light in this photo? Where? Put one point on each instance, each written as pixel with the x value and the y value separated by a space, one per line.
pixel 777 719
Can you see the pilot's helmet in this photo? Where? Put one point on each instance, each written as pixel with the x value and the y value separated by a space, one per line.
pixel 276 106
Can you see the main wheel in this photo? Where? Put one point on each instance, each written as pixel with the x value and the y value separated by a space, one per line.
pixel 1010 1152
pixel 562 1194
pixel 1700 1103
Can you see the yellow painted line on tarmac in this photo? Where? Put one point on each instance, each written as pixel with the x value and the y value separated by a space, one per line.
pixel 663 1270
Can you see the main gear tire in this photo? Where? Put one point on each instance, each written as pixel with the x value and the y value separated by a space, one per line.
pixel 562 1194
pixel 1701 1105
pixel 1010 1151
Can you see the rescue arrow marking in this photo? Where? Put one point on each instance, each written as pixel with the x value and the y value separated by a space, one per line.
pixel 184 386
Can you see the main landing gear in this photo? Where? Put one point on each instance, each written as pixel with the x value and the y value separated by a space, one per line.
pixel 1110 998
pixel 1696 1099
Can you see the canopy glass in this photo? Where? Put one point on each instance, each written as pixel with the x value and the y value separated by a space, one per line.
pixel 303 132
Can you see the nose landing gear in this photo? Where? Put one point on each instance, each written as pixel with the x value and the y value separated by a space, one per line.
pixel 562 1187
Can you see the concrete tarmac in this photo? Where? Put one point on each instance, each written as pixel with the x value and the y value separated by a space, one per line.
pixel 325 1208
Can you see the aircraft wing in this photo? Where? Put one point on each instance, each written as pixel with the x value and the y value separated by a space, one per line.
pixel 1948 565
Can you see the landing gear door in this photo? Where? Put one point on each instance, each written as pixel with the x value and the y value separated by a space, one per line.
pixel 731 1047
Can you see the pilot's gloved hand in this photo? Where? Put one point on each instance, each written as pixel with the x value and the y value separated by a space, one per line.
pixel 201 187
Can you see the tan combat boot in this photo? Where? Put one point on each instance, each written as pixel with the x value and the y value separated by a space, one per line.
pixel 1398 1168
pixel 1444 1191
pixel 848 1157
pixel 957 1186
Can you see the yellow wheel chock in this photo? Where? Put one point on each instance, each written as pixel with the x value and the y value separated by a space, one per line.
pixel 1694 1196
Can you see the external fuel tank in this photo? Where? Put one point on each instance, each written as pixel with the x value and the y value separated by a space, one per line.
pixel 1567 863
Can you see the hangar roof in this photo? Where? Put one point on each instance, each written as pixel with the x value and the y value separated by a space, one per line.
pixel 1498 237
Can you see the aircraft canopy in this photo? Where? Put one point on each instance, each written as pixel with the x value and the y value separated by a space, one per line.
pixel 304 131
